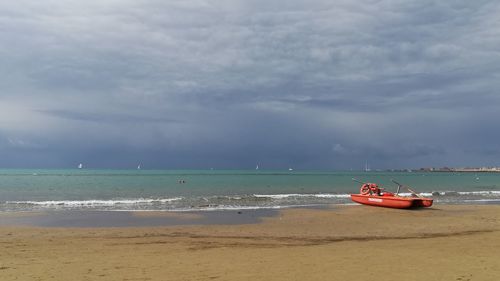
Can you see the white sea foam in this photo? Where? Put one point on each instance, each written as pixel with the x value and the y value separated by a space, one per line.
pixel 78 203
pixel 492 192
pixel 230 202
pixel 283 196
pixel 409 194
pixel 464 193
pixel 332 195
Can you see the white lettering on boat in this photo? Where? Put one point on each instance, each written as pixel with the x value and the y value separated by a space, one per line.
pixel 375 199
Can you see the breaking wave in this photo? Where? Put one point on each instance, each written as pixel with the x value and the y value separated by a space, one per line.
pixel 232 202
pixel 77 203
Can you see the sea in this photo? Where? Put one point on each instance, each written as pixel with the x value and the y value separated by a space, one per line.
pixel 212 190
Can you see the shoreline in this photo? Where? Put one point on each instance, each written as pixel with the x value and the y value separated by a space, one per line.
pixel 234 203
pixel 165 218
pixel 446 242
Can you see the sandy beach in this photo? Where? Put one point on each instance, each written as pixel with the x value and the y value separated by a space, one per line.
pixel 446 242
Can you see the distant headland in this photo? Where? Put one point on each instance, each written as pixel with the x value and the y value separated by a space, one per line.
pixel 447 169
pixel 466 169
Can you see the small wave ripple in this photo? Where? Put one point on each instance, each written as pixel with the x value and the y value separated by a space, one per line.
pixel 229 202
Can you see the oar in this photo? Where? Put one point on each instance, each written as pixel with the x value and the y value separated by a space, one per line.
pixel 407 187
pixel 399 186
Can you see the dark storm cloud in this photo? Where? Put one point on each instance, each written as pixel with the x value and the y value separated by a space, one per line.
pixel 313 84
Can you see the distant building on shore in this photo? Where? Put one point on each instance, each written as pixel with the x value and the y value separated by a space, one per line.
pixel 466 169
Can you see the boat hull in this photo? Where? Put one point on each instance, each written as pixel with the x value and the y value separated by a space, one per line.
pixel 392 201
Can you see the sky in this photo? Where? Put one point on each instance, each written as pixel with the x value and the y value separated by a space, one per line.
pixel 231 84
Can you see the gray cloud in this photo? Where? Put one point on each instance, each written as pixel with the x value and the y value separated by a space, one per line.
pixel 99 117
pixel 231 83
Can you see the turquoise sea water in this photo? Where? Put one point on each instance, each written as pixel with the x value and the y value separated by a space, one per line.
pixel 179 190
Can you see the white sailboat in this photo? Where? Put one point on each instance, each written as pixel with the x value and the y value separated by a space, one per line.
pixel 367 168
pixel 257 167
pixel 139 167
pixel 80 166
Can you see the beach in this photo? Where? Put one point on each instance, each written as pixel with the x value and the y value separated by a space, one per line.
pixel 446 242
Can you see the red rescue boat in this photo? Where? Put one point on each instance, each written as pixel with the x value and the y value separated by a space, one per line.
pixel 372 194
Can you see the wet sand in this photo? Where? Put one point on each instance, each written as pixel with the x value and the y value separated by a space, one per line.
pixel 450 242
pixel 99 219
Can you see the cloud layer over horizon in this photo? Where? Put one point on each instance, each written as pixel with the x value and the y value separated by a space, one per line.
pixel 229 84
